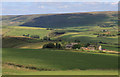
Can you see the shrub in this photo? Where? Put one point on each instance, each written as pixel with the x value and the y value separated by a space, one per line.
pixel 59 32
pixel 35 36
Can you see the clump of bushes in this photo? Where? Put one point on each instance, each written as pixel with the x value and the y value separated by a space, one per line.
pixel 77 46
pixel 49 45
pixel 32 36
pixel 105 35
pixel 106 25
pixel 35 36
pixel 52 45
pixel 27 35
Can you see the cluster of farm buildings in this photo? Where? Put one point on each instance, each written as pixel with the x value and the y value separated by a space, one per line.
pixel 90 47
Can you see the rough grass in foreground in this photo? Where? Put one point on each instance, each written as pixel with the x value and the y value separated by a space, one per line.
pixel 60 59
pixel 65 62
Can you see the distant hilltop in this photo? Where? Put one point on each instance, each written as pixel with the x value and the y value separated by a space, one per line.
pixel 61 20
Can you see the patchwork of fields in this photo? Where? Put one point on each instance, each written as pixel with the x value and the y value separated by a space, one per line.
pixel 24 55
pixel 62 61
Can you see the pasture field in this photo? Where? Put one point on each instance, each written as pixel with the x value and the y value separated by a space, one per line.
pixel 86 34
pixel 87 38
pixel 19 71
pixel 60 61
pixel 19 31
pixel 110 47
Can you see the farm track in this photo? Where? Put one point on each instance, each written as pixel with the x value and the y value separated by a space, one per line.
pixel 114 52
pixel 29 67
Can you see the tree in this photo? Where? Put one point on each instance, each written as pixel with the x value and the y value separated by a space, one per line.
pixel 49 45
pixel 46 38
pixel 77 46
pixel 87 44
pixel 100 42
pixel 58 45
pixel 77 41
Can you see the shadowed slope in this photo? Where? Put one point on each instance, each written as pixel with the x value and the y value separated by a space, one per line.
pixel 66 20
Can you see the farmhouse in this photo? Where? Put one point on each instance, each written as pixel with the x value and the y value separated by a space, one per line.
pixel 99 47
pixel 104 30
pixel 84 48
pixel 92 47
pixel 69 46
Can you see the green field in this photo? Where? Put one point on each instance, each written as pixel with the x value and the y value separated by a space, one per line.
pixel 60 60
pixel 86 34
pixel 18 71
pixel 19 31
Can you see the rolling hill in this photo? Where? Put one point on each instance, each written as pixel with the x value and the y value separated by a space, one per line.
pixel 61 20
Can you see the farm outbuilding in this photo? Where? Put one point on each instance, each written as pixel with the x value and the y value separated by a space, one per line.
pixel 92 47
pixel 69 46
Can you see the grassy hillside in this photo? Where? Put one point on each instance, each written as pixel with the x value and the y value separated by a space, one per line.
pixel 19 31
pixel 69 20
pixel 60 60
pixel 13 20
pixel 11 42
pixel 61 20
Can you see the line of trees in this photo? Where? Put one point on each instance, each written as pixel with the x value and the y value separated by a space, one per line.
pixel 37 36
pixel 106 35
pixel 53 45
pixel 32 36
pixel 78 46
pixel 106 25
